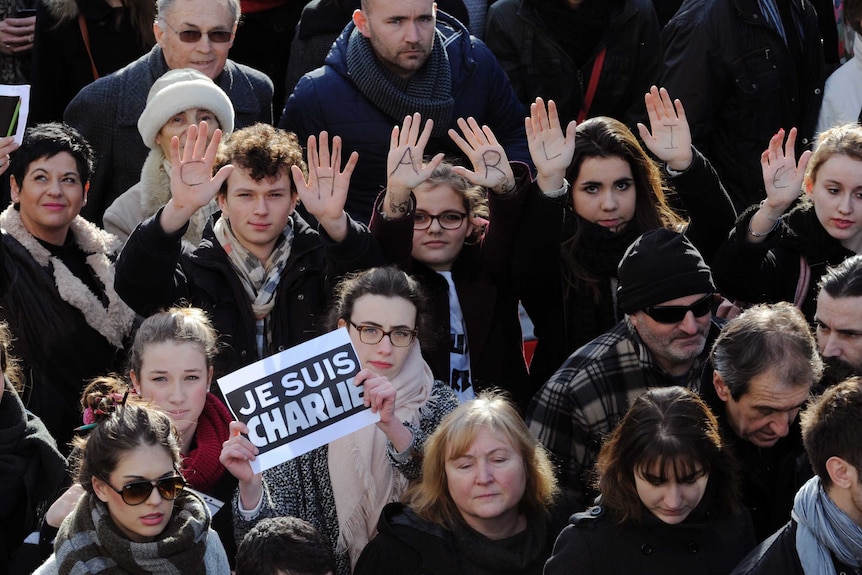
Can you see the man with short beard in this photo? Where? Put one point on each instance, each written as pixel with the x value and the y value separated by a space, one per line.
pixel 666 293
pixel 839 321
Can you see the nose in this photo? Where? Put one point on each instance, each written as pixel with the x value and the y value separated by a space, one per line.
pixel 829 345
pixel 412 33
pixel 609 201
pixel 177 393
pixel 484 474
pixel 155 497
pixel 846 205
pixel 384 346
pixel 260 206
pixel 780 425
pixel 688 324
pixel 435 227
pixel 672 496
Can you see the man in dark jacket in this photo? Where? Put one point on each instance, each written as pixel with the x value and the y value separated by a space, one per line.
pixel 765 362
pixel 743 69
pixel 190 34
pixel 260 272
pixel 825 533
pixel 398 57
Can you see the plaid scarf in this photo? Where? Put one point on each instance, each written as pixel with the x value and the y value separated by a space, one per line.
pixel 428 92
pixel 89 542
pixel 260 281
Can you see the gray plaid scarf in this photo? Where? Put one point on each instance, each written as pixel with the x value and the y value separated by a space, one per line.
pixel 260 281
pixel 428 92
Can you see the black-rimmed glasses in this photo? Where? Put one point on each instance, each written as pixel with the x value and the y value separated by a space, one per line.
pixel 137 492
pixel 676 313
pixel 449 220
pixel 192 36
pixel 371 335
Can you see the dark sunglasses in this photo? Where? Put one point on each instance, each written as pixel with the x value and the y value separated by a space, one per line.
pixel 192 36
pixel 137 492
pixel 676 313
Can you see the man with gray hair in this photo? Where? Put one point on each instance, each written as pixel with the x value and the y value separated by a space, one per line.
pixel 765 362
pixel 824 534
pixel 189 34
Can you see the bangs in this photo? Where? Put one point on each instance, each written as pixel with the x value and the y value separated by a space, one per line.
pixel 676 469
pixel 672 457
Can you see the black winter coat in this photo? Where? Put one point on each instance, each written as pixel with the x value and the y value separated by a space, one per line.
pixel 153 273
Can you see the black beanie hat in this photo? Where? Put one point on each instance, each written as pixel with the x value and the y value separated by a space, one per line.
pixel 659 266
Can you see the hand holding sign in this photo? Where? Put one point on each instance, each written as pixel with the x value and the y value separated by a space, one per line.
pixel 380 396
pixel 236 455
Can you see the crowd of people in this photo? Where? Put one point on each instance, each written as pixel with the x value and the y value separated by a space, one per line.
pixel 665 192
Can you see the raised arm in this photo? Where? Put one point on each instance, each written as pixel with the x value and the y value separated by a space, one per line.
pixel 491 167
pixel 550 148
pixel 324 192
pixel 782 179
pixel 404 169
pixel 669 135
pixel 193 184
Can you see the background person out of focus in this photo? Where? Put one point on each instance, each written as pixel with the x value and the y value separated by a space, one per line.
pixel 17 29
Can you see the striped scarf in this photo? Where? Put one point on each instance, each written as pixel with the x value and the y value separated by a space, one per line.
pixel 260 281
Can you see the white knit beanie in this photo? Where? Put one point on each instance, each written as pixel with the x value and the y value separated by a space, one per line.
pixel 179 90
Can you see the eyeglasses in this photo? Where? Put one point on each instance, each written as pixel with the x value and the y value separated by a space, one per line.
pixel 447 220
pixel 137 492
pixel 371 335
pixel 676 313
pixel 192 36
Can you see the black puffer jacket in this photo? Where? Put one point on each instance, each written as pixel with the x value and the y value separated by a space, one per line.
pixel 153 273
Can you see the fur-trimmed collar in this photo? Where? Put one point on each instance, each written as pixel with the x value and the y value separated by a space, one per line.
pixel 156 191
pixel 115 322
pixel 62 10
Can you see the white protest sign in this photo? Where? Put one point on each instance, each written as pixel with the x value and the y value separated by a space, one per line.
pixel 298 399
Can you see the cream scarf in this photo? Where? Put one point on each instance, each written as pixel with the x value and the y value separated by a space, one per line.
pixel 363 479
pixel 115 322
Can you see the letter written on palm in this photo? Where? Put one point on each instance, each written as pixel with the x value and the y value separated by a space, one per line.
pixel 669 135
pixel 550 148
pixel 324 192
pixel 491 167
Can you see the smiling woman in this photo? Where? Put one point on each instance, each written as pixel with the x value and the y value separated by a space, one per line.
pixel 135 515
pixel 481 506
pixel 56 284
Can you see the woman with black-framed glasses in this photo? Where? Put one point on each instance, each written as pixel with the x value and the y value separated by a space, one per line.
pixel 342 487
pixel 135 516
pixel 452 227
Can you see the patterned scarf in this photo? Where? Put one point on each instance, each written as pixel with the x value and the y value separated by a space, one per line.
pixel 201 466
pixel 89 542
pixel 260 281
pixel 824 529
pixel 428 92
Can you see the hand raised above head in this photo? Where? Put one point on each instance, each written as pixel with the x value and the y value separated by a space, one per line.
pixel 404 167
pixel 491 167
pixel 550 148
pixel 324 192
pixel 782 175
pixel 669 135
pixel 193 184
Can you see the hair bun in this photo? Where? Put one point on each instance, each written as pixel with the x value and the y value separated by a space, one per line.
pixel 100 399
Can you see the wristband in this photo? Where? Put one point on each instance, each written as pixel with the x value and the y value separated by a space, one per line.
pixel 560 192
pixel 775 224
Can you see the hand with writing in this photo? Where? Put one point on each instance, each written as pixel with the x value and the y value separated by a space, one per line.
pixel 325 191
pixel 669 135
pixel 782 175
pixel 379 395
pixel 550 149
pixel 236 455
pixel 491 167
pixel 192 182
pixel 404 167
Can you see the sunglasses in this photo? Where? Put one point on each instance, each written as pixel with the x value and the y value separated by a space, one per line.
pixel 137 492
pixel 676 313
pixel 192 36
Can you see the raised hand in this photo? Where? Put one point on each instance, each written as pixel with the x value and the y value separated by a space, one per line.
pixel 669 135
pixel 193 184
pixel 782 175
pixel 404 168
pixel 236 454
pixel 491 167
pixel 550 148
pixel 325 191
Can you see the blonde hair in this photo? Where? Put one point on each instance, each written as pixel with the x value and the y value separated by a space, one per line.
pixel 845 140
pixel 430 498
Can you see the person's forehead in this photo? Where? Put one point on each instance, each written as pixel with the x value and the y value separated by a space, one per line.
pixel 240 180
pixel 199 13
pixel 771 389
pixel 840 312
pixel 390 8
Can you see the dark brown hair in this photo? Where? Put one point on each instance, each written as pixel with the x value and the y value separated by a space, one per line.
pixel 831 427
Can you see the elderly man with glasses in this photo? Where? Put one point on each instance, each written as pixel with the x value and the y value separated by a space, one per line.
pixel 189 34
pixel 666 293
